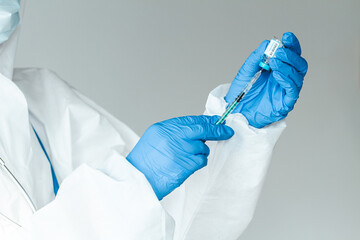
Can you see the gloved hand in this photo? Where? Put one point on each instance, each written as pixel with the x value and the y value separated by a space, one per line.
pixel 170 151
pixel 275 93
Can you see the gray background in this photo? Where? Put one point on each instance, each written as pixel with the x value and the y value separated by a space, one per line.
pixel 145 61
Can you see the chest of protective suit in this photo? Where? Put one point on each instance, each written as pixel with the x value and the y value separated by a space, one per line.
pixel 25 173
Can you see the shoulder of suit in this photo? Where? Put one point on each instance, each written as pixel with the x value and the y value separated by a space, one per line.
pixel 39 78
pixel 35 74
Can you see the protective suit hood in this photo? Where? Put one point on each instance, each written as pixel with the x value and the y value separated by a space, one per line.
pixel 8 47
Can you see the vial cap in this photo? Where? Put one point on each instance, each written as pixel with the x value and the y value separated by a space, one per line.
pixel 264 66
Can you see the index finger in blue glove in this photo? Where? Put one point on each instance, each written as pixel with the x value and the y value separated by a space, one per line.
pixel 192 163
pixel 291 90
pixel 194 147
pixel 190 120
pixel 251 65
pixel 290 57
pixel 289 71
pixel 200 160
pixel 290 41
pixel 205 128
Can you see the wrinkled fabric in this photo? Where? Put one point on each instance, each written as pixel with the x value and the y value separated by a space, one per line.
pixel 101 195
pixel 115 202
pixel 217 202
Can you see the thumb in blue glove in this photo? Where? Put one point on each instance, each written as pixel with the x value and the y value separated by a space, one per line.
pixel 275 93
pixel 170 151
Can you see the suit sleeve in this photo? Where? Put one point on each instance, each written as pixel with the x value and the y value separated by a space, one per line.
pixel 112 201
pixel 218 201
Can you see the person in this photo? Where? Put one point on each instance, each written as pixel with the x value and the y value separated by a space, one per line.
pixel 185 178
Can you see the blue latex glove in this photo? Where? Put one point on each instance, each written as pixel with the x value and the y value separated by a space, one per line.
pixel 170 151
pixel 275 93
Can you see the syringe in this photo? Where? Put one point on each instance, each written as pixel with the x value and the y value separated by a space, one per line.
pixel 237 100
pixel 264 64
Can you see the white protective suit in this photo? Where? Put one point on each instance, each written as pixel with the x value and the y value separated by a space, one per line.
pixel 101 195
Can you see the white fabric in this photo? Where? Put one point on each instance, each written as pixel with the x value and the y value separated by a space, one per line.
pixel 114 203
pixel 218 201
pixel 101 195
pixel 22 154
pixel 107 198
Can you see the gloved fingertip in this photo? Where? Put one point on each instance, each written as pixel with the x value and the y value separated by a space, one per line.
pixel 291 41
pixel 262 47
pixel 288 38
pixel 214 119
pixel 251 65
pixel 229 131
pixel 288 35
pixel 265 43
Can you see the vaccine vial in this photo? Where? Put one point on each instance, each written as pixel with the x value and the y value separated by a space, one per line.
pixel 270 51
